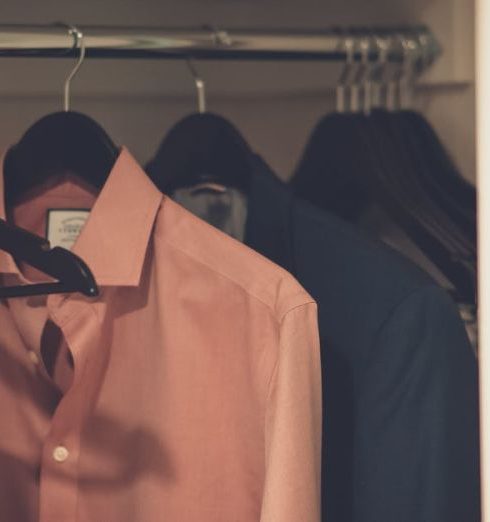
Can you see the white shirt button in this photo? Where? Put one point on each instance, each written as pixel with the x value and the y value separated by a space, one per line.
pixel 60 454
pixel 34 357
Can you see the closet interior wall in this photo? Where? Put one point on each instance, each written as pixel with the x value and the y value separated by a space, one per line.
pixel 274 104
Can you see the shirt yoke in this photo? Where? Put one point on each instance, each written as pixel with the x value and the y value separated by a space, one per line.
pixel 260 278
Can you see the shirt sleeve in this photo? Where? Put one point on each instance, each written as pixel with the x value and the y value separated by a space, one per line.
pixel 416 457
pixel 293 423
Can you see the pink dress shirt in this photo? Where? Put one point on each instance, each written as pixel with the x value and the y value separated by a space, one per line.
pixel 188 391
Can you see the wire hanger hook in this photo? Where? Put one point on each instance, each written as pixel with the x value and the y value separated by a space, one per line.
pixel 365 75
pixel 349 48
pixel 397 74
pixel 382 46
pixel 427 50
pixel 200 87
pixel 359 84
pixel 78 42
pixel 407 71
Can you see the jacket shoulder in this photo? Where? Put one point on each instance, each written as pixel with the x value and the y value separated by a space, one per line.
pixel 355 279
pixel 340 244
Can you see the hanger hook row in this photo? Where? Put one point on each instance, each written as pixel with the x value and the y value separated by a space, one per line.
pixel 78 43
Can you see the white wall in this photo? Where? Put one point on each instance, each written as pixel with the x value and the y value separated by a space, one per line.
pixel 274 104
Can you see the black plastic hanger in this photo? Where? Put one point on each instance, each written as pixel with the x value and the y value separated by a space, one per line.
pixel 59 143
pixel 203 147
pixel 408 173
pixel 349 163
pixel 438 172
pixel 69 271
pixel 331 172
pixel 398 190
pixel 56 144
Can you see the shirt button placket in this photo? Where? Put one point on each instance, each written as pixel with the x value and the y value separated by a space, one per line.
pixel 58 486
pixel 58 492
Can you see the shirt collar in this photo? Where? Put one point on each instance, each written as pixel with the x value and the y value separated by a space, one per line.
pixel 115 237
pixel 269 216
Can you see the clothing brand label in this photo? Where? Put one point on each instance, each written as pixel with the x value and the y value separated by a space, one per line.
pixel 64 226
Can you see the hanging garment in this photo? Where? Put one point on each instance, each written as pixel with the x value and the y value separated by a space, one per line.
pixel 189 390
pixel 400 438
pixel 388 173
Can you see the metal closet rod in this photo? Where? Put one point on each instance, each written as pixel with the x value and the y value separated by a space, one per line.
pixel 207 43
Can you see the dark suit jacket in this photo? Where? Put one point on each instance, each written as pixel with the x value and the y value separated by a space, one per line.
pixel 399 376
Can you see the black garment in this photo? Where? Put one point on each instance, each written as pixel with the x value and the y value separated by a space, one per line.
pixel 399 377
pixel 355 164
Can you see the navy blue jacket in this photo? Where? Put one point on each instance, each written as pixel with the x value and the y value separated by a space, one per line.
pixel 399 376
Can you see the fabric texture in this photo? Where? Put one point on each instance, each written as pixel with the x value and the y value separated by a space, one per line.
pixel 400 391
pixel 189 390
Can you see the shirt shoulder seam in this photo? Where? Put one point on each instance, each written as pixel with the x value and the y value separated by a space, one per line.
pixel 276 362
pixel 295 307
pixel 237 283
